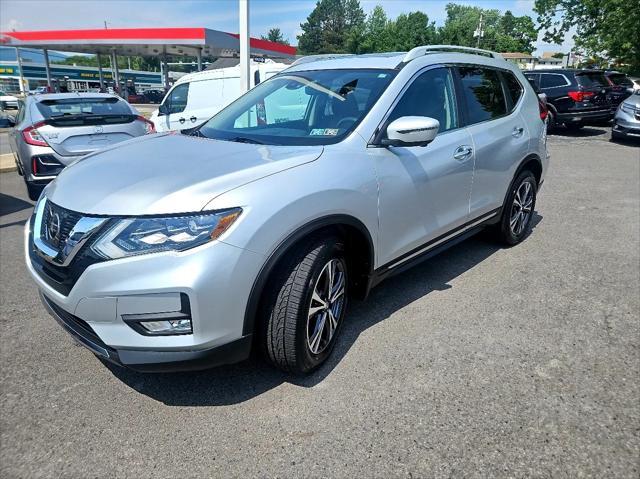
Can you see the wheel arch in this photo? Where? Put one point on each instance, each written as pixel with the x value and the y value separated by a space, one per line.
pixel 358 241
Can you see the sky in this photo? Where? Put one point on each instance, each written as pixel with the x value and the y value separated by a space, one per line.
pixel 216 14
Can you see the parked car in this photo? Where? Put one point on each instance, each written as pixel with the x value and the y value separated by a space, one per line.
pixel 621 86
pixel 626 122
pixel 134 98
pixel 153 96
pixel 196 97
pixel 636 83
pixel 40 90
pixel 575 97
pixel 183 251
pixel 54 130
pixel 7 101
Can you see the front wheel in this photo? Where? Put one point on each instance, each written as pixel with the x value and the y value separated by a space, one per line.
pixel 517 214
pixel 306 305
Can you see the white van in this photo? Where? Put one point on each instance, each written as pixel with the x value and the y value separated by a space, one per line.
pixel 196 97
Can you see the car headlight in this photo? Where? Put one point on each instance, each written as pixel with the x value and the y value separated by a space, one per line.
pixel 134 236
pixel 627 108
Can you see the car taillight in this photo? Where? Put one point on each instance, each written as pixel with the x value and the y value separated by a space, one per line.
pixel 580 95
pixel 544 111
pixel 31 135
pixel 148 125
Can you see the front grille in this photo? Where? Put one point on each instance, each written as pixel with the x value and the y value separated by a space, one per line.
pixel 61 278
pixel 67 220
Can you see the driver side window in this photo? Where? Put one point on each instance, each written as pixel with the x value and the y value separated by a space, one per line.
pixel 431 95
pixel 176 102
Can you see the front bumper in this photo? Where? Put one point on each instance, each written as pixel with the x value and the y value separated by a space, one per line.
pixel 217 278
pixel 148 360
pixel 626 124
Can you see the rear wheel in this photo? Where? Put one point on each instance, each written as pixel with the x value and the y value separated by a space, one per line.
pixel 517 214
pixel 551 121
pixel 306 305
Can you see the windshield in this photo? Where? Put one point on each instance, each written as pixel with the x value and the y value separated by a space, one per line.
pixel 302 108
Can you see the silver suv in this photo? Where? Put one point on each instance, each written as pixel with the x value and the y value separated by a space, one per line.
pixel 183 251
pixel 54 130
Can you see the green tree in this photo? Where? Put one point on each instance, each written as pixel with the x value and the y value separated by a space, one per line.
pixel 602 27
pixel 376 30
pixel 409 31
pixel 515 34
pixel 501 32
pixel 276 36
pixel 332 27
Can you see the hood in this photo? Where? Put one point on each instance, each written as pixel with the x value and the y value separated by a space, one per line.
pixel 167 173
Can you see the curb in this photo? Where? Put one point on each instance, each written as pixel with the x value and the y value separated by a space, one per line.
pixel 8 169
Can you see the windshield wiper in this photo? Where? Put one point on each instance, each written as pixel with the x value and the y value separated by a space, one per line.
pixel 244 139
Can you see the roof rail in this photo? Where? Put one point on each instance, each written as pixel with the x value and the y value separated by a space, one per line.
pixel 315 58
pixel 425 50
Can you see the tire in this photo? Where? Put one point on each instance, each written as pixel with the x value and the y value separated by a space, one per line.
pixel 508 232
pixel 574 126
pixel 34 190
pixel 300 333
pixel 616 136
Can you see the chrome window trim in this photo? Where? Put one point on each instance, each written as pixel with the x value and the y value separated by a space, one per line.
pixel 568 83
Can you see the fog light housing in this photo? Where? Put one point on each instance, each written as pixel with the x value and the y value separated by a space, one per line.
pixel 163 324
pixel 168 326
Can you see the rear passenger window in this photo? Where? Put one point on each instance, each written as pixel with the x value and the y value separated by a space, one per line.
pixel 483 94
pixel 432 95
pixel 514 88
pixel 552 81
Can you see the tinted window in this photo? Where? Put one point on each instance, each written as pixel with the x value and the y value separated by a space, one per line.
pixel 513 87
pixel 82 106
pixel 591 79
pixel 300 108
pixel 483 94
pixel 552 81
pixel 620 79
pixel 432 95
pixel 178 98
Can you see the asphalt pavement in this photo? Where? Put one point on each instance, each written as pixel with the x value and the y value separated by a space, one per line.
pixel 483 362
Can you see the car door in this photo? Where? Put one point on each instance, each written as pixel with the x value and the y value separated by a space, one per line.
pixel 175 104
pixel 424 191
pixel 499 132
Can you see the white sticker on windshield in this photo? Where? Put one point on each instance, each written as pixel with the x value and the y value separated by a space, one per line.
pixel 324 132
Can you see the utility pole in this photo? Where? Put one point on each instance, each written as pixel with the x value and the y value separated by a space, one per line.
pixel 479 33
pixel 245 61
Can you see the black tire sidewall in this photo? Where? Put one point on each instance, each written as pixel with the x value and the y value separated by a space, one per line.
pixel 307 361
pixel 505 228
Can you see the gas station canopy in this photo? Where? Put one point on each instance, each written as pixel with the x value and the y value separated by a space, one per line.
pixel 145 42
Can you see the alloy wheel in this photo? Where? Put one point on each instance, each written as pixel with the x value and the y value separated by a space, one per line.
pixel 326 306
pixel 521 208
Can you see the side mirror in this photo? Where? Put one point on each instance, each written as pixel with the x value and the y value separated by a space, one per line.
pixel 163 109
pixel 411 131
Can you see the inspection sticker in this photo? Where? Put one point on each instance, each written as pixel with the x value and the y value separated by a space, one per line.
pixel 324 132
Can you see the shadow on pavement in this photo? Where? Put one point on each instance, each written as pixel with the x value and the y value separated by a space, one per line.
pixel 585 132
pixel 240 382
pixel 11 204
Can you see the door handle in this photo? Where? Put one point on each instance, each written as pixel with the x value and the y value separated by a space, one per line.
pixel 182 120
pixel 517 132
pixel 462 152
pixel 193 119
